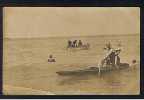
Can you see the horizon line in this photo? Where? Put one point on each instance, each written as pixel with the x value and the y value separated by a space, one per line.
pixel 72 36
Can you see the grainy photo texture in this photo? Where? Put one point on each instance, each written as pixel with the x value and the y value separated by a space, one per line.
pixel 71 50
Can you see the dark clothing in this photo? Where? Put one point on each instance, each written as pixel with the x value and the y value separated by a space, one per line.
pixel 69 43
pixel 112 58
pixel 108 62
pixel 51 60
pixel 74 43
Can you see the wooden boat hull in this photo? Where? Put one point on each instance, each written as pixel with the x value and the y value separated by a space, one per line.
pixel 93 70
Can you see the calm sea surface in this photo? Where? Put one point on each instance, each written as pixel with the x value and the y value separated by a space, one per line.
pixel 25 65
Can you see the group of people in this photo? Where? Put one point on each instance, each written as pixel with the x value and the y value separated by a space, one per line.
pixel 111 57
pixel 75 43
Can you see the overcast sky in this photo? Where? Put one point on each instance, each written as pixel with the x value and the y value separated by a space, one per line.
pixel 70 21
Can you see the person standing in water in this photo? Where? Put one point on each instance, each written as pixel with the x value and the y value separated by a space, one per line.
pixel 75 43
pixel 69 43
pixel 80 43
pixel 51 59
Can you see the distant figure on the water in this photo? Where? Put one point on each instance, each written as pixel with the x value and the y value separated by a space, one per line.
pixel 51 59
pixel 134 64
pixel 80 44
pixel 134 61
pixel 74 43
pixel 86 46
pixel 69 43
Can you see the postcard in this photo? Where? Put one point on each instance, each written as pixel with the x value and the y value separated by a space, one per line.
pixel 71 51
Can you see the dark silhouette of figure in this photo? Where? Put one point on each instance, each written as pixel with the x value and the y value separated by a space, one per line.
pixel 69 43
pixel 75 43
pixel 51 59
pixel 134 61
pixel 112 58
pixel 80 43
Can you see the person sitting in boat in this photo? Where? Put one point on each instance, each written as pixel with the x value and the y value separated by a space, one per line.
pixel 51 59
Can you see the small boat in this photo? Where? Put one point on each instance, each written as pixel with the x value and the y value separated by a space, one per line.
pixel 93 70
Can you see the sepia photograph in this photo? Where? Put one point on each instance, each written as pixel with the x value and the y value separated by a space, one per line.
pixel 71 51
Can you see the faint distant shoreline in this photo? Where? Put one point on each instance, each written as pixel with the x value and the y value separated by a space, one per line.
pixel 113 35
